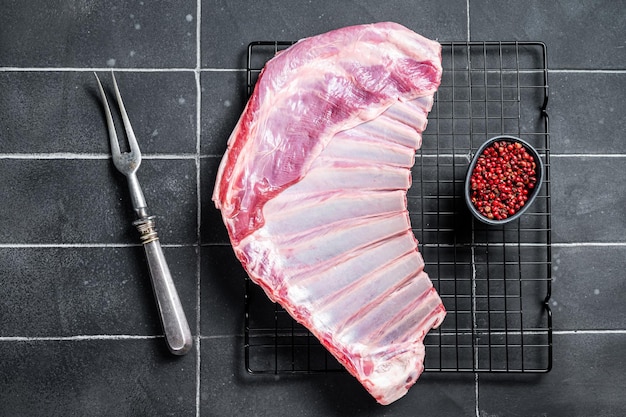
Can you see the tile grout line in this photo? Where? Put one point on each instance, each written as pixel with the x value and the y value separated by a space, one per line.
pixel 197 74
pixel 587 71
pixel 588 155
pixel 90 245
pixel 117 69
pixel 474 324
pixel 205 245
pixel 467 6
pixel 590 331
pixel 587 244
pixel 77 338
pixel 96 337
pixel 477 410
pixel 197 155
pixel 186 69
pixel 89 156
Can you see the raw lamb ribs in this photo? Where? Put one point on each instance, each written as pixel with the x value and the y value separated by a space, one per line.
pixel 312 190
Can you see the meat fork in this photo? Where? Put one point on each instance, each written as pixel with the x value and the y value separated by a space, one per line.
pixel 175 326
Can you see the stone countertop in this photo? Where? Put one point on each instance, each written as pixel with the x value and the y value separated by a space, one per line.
pixel 79 333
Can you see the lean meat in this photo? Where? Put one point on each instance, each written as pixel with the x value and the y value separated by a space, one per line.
pixel 312 190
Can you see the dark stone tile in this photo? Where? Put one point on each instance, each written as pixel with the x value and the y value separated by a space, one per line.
pixel 587 380
pixel 51 292
pixel 46 112
pixel 87 201
pixel 229 390
pixel 597 96
pixel 508 290
pixel 223 100
pixel 99 34
pixel 161 107
pixel 588 199
pixel 228 27
pixel 588 289
pixel 578 35
pixel 95 378
pixel 212 228
pixel 222 292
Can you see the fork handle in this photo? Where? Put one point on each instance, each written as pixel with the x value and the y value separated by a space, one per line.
pixel 175 326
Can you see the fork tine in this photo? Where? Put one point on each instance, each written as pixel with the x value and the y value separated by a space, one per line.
pixel 130 134
pixel 115 146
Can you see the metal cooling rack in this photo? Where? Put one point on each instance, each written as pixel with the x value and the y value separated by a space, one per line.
pixel 494 281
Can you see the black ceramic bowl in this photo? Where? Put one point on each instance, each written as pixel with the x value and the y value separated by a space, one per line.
pixel 532 193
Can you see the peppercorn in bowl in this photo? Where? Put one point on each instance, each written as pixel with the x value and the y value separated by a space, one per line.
pixel 503 179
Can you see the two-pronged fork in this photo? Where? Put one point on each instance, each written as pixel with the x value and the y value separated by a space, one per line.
pixel 175 326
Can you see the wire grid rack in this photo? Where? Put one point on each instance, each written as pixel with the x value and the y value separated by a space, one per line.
pixel 494 281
